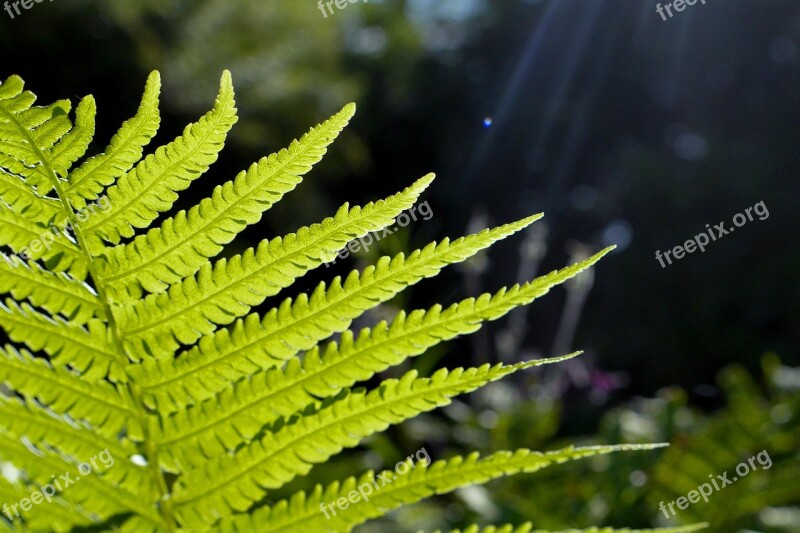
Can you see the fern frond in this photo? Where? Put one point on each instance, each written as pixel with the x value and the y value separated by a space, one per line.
pixel 240 411
pixel 14 146
pixel 736 431
pixel 254 343
pixel 20 170
pixel 87 350
pixel 36 140
pixel 91 492
pixel 106 408
pixel 528 528
pixel 254 400
pixel 233 482
pixel 192 437
pixel 44 148
pixel 52 131
pixel 184 243
pixel 60 255
pixel 11 87
pixel 75 143
pixel 88 180
pixel 26 420
pixel 58 516
pixel 303 512
pixel 230 288
pixel 55 292
pixel 31 119
pixel 20 197
pixel 150 188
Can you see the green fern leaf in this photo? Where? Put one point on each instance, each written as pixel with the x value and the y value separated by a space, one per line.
pixel 732 435
pixel 75 143
pixel 228 290
pixel 92 493
pixel 183 244
pixel 239 412
pixel 27 238
pixel 57 516
pixel 88 181
pixel 255 343
pixel 31 119
pixel 20 197
pixel 107 409
pixel 42 147
pixel 55 292
pixel 23 420
pixel 87 350
pixel 233 482
pixel 48 134
pixel 393 489
pixel 150 188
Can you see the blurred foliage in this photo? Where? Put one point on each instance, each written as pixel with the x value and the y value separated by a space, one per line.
pixel 752 421
pixel 627 490
pixel 286 65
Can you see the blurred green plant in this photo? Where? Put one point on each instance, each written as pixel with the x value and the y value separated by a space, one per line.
pixel 753 420
pixel 288 60
pixel 628 491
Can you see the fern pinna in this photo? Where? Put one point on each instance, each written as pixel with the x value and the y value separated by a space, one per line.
pixel 141 345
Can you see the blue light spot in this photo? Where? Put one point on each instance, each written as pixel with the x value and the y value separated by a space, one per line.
pixel 487 122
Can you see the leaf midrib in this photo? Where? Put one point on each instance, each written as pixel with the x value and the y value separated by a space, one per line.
pixel 165 515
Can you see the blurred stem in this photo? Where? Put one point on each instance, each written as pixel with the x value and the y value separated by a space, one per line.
pixel 578 289
pixel 473 270
pixel 534 248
